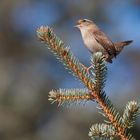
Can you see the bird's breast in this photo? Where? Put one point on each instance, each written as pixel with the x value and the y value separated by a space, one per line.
pixel 91 43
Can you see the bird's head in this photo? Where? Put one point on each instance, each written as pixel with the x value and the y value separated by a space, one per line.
pixel 83 23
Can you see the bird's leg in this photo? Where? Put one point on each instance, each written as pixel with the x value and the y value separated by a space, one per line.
pixel 83 66
pixel 88 69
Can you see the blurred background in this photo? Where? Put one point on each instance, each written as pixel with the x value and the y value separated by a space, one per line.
pixel 28 71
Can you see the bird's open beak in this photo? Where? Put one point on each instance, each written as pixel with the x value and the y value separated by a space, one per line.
pixel 76 26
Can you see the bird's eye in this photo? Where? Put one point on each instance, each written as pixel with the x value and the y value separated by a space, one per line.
pixel 84 20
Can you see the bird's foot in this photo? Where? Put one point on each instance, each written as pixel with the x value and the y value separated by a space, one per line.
pixel 88 69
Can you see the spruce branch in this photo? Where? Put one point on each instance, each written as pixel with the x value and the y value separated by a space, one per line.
pixel 105 132
pixel 95 86
pixel 102 131
pixel 107 108
pixel 69 96
pixel 131 111
pixel 99 70
pixel 112 115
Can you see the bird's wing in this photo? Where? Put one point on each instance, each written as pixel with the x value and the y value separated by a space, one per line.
pixel 105 42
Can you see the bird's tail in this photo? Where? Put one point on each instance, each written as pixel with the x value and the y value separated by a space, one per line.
pixel 119 45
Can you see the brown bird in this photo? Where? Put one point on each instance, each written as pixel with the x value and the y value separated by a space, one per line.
pixel 97 41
